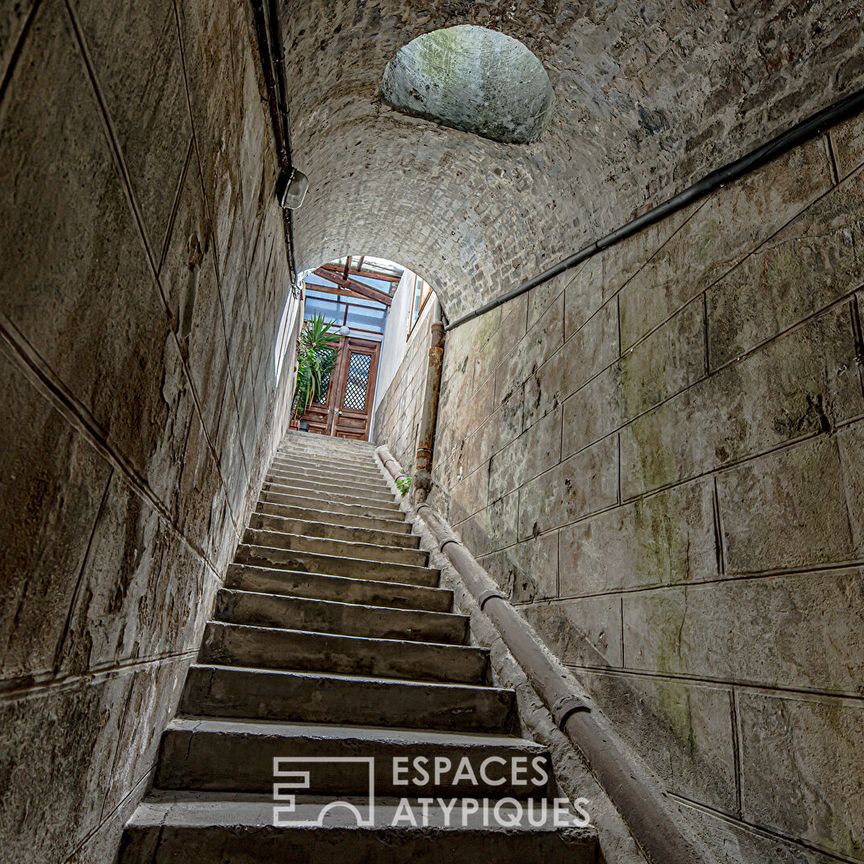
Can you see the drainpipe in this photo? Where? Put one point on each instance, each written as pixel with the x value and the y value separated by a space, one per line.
pixel 631 789
pixel 429 414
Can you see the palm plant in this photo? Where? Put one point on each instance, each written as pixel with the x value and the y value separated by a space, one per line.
pixel 316 356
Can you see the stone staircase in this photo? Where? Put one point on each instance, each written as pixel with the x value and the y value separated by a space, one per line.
pixel 332 639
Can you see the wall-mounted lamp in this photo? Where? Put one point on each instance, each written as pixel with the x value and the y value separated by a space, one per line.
pixel 291 188
pixel 344 330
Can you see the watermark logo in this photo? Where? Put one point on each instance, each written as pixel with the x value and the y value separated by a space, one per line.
pixel 406 782
pixel 289 778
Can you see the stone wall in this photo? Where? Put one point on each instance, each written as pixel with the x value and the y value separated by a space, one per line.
pixel 650 95
pixel 144 276
pixel 397 418
pixel 659 457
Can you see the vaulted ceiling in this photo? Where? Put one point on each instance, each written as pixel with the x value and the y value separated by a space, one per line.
pixel 648 97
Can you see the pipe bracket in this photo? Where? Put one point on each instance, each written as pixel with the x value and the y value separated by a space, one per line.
pixel 488 595
pixel 567 705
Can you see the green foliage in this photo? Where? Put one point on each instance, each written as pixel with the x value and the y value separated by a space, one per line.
pixel 403 484
pixel 316 356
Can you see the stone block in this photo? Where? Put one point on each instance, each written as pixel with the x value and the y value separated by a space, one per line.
pixel 684 731
pixel 493 527
pixel 534 451
pixel 188 278
pixel 851 443
pixel 546 388
pixel 136 54
pixel 208 31
pixel 812 262
pixel 802 630
pixel 51 487
pixel 793 387
pixel 541 297
pixel 513 325
pixel 668 361
pixel 847 144
pixel 736 843
pixel 118 600
pixel 583 632
pixel 538 344
pixel 592 348
pixel 57 749
pixel 584 295
pixel 468 495
pixel 12 23
pixel 76 284
pixel 583 484
pixel 528 570
pixel 787 510
pixel 153 694
pixel 730 225
pixel 661 539
pixel 801 768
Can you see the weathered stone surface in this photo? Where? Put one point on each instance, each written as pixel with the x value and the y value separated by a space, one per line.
pixel 493 527
pixel 140 73
pixel 657 540
pixel 51 488
pixel 733 842
pixel 528 570
pixel 57 750
pixel 668 361
pixel 793 387
pixel 584 295
pixel 538 344
pixel 851 443
pixel 73 258
pixel 801 769
pixel 583 484
pixel 533 452
pixel 787 510
pixel 583 632
pixel 473 79
pixel 683 730
pixel 593 347
pixel 649 101
pixel 847 142
pixel 139 586
pixel 814 261
pixel 188 278
pixel 719 630
pixel 468 496
pixel 703 249
pixel 501 427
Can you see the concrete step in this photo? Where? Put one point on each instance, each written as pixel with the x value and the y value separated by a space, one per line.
pixel 296 440
pixel 299 650
pixel 327 459
pixel 237 756
pixel 311 527
pixel 306 498
pixel 317 697
pixel 275 504
pixel 337 479
pixel 216 828
pixel 310 469
pixel 332 546
pixel 277 512
pixel 335 565
pixel 318 586
pixel 329 616
pixel 342 492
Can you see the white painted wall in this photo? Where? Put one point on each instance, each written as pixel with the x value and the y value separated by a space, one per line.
pixel 396 341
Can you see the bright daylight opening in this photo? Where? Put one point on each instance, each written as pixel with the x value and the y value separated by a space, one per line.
pixel 360 315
